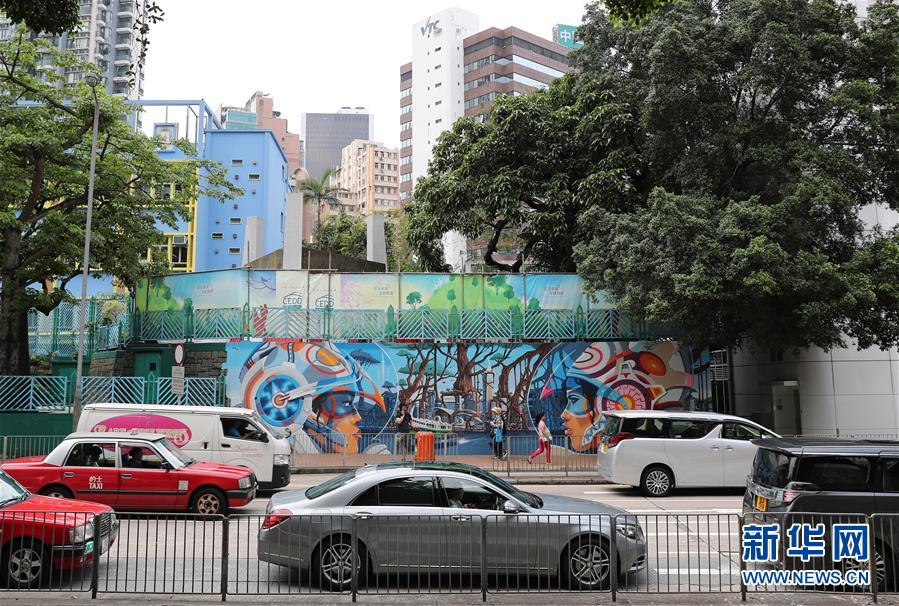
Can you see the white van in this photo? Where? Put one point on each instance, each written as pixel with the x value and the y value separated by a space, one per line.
pixel 658 450
pixel 218 434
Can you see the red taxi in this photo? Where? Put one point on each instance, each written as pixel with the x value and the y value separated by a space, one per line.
pixel 138 471
pixel 42 536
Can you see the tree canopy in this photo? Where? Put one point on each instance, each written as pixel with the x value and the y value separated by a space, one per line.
pixel 713 169
pixel 347 234
pixel 45 143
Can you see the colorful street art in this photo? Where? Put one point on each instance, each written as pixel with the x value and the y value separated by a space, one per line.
pixel 255 288
pixel 330 394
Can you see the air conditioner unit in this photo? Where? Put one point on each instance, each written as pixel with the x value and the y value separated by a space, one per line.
pixel 179 240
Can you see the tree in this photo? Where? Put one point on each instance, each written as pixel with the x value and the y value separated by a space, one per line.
pixel 526 175
pixel 320 191
pixel 413 299
pixel 765 129
pixel 57 17
pixel 45 141
pixel 347 234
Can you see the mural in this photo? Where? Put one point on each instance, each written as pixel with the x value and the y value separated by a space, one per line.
pixel 450 292
pixel 342 397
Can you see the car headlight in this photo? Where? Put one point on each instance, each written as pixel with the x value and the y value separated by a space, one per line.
pixel 282 459
pixel 630 531
pixel 82 533
pixel 244 482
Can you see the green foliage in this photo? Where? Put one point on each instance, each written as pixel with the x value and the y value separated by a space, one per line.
pixel 49 16
pixel 319 192
pixel 413 298
pixel 347 234
pixel 45 142
pixel 765 128
pixel 525 176
pixel 635 12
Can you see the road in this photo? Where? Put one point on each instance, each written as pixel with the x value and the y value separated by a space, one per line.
pixel 692 539
pixel 624 497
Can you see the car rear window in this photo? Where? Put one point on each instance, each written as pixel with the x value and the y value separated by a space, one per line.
pixel 771 468
pixel 691 429
pixel 613 425
pixel 332 484
pixel 843 474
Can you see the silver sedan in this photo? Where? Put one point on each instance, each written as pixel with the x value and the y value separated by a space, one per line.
pixel 422 518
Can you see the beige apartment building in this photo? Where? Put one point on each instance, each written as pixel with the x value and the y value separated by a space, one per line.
pixel 369 172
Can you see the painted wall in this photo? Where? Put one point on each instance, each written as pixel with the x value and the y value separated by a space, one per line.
pixel 449 292
pixel 338 396
pixel 259 154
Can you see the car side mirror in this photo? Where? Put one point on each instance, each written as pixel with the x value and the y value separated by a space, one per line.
pixel 166 466
pixel 511 507
pixel 265 438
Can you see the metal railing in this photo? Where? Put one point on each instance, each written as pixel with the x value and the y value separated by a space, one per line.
pixel 293 322
pixel 456 550
pixel 56 333
pixel 35 394
pixel 52 393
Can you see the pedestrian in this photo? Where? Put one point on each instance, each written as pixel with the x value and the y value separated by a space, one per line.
pixel 497 426
pixel 544 436
pixel 403 427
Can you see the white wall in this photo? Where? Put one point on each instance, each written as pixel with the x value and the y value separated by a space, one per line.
pixel 841 391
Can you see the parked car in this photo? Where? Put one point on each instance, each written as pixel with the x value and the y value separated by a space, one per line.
pixel 792 479
pixel 139 471
pixel 216 434
pixel 660 450
pixel 40 535
pixel 427 517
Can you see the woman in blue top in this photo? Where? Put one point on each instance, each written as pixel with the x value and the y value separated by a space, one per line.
pixel 497 425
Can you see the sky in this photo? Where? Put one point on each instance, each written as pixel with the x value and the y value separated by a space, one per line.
pixel 311 55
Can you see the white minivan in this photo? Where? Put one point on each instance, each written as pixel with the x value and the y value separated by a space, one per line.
pixel 218 434
pixel 658 450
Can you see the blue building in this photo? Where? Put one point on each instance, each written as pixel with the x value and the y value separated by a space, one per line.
pixel 219 235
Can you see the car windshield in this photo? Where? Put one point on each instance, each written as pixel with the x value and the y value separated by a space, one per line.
pixel 332 484
pixel 771 468
pixel 10 490
pixel 176 453
pixel 524 497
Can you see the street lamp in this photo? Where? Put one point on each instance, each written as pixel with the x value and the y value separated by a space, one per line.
pixel 92 81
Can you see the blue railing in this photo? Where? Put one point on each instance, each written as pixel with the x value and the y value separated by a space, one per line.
pixel 374 324
pixel 45 394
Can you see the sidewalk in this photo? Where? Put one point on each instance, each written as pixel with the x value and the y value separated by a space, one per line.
pixel 535 599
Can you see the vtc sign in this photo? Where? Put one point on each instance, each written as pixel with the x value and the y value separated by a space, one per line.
pixel 430 27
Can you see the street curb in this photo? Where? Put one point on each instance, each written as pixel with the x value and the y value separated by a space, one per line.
pixel 514 479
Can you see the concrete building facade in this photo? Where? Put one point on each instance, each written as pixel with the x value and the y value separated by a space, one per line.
pixel 458 70
pixel 220 235
pixel 107 38
pixel 259 113
pixel 369 172
pixel 326 134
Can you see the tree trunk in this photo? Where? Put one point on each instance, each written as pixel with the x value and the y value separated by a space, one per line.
pixel 14 356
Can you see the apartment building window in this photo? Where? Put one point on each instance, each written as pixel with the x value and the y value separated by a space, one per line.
pixel 235 220
pixel 217 235
pixel 123 39
pixel 480 100
pixel 236 162
pixel 253 176
pixel 406 143
pixel 436 103
pixel 436 50
pixel 406 110
pixel 406 126
pixel 234 250
pixel 438 66
pixel 438 85
pixel 475 65
pixel 406 178
pixel 405 160
pixel 405 76
pixel 405 93
pixel 479 82
pixel 179 254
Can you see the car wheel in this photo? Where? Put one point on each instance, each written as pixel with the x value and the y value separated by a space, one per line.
pixel 657 481
pixel 25 563
pixel 208 501
pixel 336 561
pixel 587 564
pixel 883 568
pixel 60 492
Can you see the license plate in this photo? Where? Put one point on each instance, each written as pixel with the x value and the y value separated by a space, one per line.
pixel 88 547
pixel 761 503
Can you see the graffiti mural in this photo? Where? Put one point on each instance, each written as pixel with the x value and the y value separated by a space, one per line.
pixel 340 397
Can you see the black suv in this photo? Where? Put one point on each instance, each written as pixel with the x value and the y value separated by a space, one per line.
pixel 797 477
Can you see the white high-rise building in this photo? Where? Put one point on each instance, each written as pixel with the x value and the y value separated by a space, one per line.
pixel 107 38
